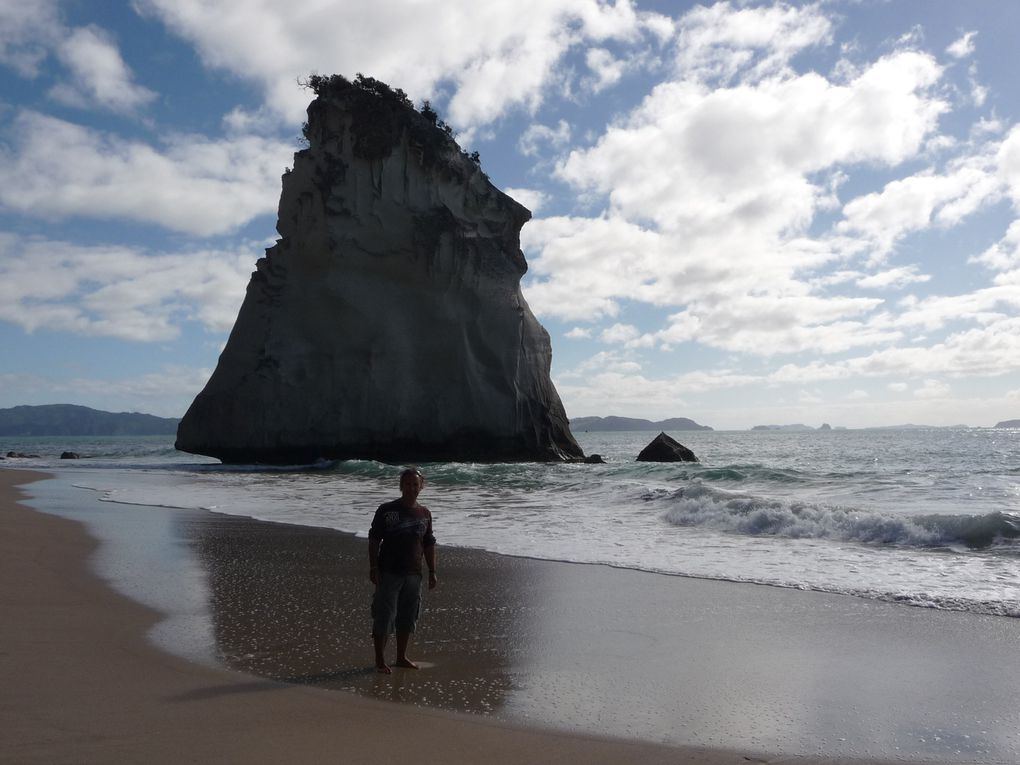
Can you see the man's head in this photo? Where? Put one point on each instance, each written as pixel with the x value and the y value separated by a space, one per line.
pixel 411 482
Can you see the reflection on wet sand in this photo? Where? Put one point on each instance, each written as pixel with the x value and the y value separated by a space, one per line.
pixel 621 652
pixel 292 603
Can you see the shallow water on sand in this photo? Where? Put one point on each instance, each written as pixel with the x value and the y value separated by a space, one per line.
pixel 587 648
pixel 923 517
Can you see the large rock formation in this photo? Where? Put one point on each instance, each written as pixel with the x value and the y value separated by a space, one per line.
pixel 387 322
pixel 666 449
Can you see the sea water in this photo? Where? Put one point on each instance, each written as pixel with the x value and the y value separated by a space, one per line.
pixel 928 518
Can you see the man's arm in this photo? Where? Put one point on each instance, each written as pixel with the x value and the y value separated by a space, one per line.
pixel 430 560
pixel 373 560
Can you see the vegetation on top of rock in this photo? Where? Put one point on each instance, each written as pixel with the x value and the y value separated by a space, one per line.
pixel 383 113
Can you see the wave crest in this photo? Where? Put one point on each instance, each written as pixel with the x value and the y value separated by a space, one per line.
pixel 707 507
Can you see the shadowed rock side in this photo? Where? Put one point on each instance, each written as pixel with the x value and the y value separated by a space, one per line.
pixel 387 322
pixel 666 449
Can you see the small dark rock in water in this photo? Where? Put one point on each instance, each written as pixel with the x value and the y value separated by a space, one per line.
pixel 70 456
pixel 594 459
pixel 22 456
pixel 665 449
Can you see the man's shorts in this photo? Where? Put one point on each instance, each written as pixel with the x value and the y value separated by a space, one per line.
pixel 396 603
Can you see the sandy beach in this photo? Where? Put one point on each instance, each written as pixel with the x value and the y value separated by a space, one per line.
pixel 522 661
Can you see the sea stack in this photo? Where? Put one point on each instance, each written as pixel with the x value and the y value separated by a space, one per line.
pixel 387 322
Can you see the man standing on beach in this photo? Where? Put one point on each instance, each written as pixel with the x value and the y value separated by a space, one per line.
pixel 401 535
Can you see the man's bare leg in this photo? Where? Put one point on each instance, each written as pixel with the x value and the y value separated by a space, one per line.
pixel 380 654
pixel 403 638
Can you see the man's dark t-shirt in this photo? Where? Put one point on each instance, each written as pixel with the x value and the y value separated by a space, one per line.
pixel 404 532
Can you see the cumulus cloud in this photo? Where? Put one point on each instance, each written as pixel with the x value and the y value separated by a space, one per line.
pixel 119 291
pixel 990 350
pixel 1004 255
pixel 963 46
pixel 99 74
pixel 921 200
pixel 532 140
pixel 715 184
pixel 620 333
pixel 607 68
pixel 27 30
pixel 933 389
pixel 489 57
pixel 533 199
pixel 893 278
pixel 721 41
pixel 191 183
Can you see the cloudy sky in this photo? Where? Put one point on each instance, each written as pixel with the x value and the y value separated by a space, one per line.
pixel 744 212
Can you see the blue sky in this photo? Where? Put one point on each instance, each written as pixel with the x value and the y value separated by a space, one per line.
pixel 744 212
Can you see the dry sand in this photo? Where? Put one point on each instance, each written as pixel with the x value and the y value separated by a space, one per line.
pixel 503 638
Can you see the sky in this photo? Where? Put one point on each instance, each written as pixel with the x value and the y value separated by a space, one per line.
pixel 743 212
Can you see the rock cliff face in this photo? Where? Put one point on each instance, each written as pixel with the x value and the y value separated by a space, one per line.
pixel 387 322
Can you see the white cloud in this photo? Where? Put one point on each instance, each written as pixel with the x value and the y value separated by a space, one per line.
pixel 27 30
pixel 586 264
pixel 533 199
pixel 99 74
pixel 619 334
pixel 898 387
pixel 491 57
pixel 713 195
pixel 578 333
pixel 893 278
pixel 919 201
pixel 933 389
pixel 1004 255
pixel 610 383
pixel 536 136
pixel 683 159
pixel 607 69
pixel 119 291
pixel 963 46
pixel 720 41
pixel 990 350
pixel 191 184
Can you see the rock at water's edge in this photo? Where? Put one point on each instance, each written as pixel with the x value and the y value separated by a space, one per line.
pixel 665 449
pixel 387 322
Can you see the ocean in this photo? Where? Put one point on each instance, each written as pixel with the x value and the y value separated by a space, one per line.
pixel 927 518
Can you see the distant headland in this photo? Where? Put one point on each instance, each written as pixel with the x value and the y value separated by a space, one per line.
pixel 612 423
pixel 73 420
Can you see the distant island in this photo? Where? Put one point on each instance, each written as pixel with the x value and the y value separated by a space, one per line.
pixel 631 423
pixel 73 420
pixel 1008 424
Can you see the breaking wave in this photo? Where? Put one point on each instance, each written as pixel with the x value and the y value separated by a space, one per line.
pixel 703 506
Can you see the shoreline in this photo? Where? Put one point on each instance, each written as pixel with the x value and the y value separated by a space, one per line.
pixel 489 668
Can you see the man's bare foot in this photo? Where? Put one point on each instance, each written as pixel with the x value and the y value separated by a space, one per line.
pixel 383 669
pixel 406 663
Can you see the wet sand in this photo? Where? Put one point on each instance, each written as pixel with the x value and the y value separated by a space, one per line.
pixel 523 661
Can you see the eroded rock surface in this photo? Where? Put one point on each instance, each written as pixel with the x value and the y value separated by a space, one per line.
pixel 387 322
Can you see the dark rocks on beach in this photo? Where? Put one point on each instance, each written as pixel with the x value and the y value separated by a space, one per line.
pixel 70 456
pixel 594 459
pixel 665 449
pixel 22 456
pixel 388 320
